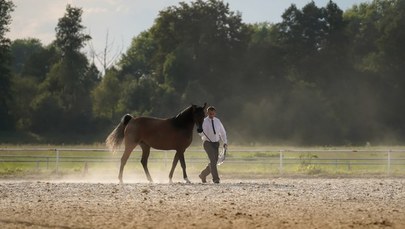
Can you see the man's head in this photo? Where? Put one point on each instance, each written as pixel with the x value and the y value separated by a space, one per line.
pixel 211 112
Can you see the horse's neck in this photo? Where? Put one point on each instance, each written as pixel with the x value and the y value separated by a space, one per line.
pixel 184 119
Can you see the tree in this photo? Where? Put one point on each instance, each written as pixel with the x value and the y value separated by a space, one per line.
pixel 138 59
pixel 190 48
pixel 138 95
pixel 105 58
pixel 40 62
pixel 390 60
pixel 189 38
pixel 6 120
pixel 69 35
pixel 70 80
pixel 303 32
pixel 106 95
pixel 22 50
pixel 376 52
pixel 264 60
pixel 320 76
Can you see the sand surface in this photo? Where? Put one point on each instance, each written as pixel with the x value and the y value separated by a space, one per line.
pixel 272 203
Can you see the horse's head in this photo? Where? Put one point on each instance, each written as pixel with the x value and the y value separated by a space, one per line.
pixel 198 116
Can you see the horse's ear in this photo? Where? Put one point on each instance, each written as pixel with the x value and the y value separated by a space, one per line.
pixel 205 106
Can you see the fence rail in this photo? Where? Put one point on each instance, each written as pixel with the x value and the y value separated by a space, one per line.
pixel 279 158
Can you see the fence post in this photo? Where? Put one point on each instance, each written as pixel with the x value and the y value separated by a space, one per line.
pixel 165 159
pixel 389 162
pixel 57 161
pixel 85 168
pixel 281 162
pixel 336 165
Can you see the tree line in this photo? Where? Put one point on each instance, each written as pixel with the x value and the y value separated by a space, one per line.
pixel 321 76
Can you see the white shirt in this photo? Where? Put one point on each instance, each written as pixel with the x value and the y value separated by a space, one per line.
pixel 208 131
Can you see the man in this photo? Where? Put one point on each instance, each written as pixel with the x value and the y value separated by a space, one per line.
pixel 212 132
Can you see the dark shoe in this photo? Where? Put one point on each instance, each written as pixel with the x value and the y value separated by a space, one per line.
pixel 216 181
pixel 203 179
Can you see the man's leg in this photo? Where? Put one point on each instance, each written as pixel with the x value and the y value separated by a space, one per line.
pixel 207 169
pixel 205 173
pixel 212 150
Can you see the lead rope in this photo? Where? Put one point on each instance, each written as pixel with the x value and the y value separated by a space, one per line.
pixel 207 137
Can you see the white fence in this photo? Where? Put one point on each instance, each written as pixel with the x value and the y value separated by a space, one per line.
pixel 389 160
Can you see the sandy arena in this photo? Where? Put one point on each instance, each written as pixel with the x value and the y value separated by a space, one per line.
pixel 272 203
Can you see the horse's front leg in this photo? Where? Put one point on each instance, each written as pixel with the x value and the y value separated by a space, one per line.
pixel 174 164
pixel 183 166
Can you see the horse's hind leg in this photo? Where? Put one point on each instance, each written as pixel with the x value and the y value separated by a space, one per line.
pixel 183 165
pixel 128 149
pixel 174 164
pixel 144 160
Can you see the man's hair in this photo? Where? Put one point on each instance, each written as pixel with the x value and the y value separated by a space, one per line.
pixel 211 108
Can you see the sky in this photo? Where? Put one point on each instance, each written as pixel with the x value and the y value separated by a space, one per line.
pixel 125 19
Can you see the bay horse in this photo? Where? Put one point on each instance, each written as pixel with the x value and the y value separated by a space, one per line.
pixel 174 133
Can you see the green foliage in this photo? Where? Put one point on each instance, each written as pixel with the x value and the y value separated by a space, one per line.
pixel 198 42
pixel 46 108
pixel 6 119
pixel 22 104
pixel 65 92
pixel 319 77
pixel 22 50
pixel 69 35
pixel 106 95
pixel 6 7
pixel 138 59
pixel 137 95
pixel 39 63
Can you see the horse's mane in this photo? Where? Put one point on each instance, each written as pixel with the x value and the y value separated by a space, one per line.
pixel 184 118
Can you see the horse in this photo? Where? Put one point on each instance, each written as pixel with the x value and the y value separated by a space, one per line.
pixel 174 133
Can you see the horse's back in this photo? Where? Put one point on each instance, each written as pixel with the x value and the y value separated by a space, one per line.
pixel 157 133
pixel 149 122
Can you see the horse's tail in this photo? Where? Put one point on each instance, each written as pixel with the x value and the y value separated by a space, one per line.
pixel 116 137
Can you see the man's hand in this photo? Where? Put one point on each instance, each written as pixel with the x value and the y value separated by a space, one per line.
pixel 226 146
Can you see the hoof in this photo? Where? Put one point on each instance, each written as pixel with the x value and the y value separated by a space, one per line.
pixel 187 181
